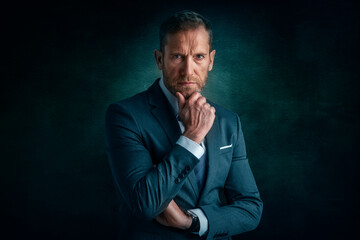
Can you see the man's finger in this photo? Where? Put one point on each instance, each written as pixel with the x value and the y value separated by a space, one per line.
pixel 194 97
pixel 200 101
pixel 181 101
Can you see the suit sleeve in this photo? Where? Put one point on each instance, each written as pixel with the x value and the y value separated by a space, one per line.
pixel 147 189
pixel 244 206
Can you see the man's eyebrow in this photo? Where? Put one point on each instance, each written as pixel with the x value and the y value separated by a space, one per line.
pixel 201 53
pixel 196 53
pixel 176 53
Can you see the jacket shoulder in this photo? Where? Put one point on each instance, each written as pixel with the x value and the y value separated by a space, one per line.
pixel 134 104
pixel 138 102
pixel 133 101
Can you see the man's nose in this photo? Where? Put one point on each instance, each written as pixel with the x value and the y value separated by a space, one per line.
pixel 188 67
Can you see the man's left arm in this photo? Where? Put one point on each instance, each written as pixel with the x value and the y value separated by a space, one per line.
pixel 244 206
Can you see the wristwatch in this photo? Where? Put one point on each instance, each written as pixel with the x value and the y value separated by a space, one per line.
pixel 195 225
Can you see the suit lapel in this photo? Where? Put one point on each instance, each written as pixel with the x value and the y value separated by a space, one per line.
pixel 163 112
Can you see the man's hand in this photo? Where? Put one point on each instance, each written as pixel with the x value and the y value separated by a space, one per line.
pixel 196 115
pixel 172 216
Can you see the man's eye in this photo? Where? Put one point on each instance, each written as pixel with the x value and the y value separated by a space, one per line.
pixel 177 56
pixel 199 56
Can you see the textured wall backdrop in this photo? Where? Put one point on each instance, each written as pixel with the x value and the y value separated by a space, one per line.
pixel 289 69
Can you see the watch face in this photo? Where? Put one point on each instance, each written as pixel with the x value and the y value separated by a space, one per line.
pixel 196 224
pixel 189 213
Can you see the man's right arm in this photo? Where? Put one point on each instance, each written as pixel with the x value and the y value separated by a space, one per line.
pixel 146 189
pixel 197 116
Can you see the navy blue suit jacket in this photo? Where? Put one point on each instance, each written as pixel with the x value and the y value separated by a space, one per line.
pixel 150 170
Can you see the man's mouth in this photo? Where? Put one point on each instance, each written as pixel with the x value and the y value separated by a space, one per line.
pixel 186 83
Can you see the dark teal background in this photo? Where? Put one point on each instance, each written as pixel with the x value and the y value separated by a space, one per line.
pixel 289 69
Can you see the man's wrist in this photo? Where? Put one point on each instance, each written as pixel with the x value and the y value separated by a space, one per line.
pixel 195 223
pixel 193 136
pixel 204 224
pixel 196 149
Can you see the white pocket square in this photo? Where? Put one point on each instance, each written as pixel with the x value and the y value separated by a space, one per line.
pixel 224 147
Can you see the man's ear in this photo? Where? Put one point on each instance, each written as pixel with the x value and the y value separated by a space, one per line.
pixel 159 58
pixel 212 56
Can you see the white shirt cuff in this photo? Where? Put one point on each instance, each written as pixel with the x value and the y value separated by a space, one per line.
pixel 193 147
pixel 204 224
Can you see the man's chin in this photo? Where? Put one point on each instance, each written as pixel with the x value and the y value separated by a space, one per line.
pixel 188 92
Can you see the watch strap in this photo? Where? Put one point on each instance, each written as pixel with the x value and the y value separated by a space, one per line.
pixel 195 225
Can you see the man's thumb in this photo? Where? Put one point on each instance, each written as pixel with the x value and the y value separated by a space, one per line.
pixel 181 101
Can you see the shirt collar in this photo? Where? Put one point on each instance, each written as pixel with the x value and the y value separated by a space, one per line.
pixel 170 97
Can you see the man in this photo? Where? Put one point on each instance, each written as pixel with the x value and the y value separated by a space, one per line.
pixel 179 161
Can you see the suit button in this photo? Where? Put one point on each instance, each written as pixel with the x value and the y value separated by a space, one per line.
pixel 181 175
pixel 187 168
pixel 177 180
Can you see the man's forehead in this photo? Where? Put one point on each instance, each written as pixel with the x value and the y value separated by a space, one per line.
pixel 196 39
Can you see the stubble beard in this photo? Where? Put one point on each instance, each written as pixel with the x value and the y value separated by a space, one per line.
pixel 173 87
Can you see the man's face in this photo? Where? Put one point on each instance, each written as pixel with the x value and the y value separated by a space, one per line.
pixel 186 61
